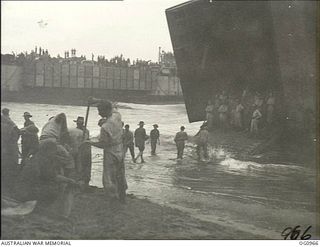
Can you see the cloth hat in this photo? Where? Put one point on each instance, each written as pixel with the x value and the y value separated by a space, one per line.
pixel 155 125
pixel 27 114
pixel 141 122
pixel 78 119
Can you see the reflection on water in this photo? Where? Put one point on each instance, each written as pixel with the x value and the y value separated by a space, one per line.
pixel 188 182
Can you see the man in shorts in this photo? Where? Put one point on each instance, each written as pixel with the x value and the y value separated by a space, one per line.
pixel 140 137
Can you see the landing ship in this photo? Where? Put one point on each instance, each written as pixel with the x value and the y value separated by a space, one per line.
pixel 258 46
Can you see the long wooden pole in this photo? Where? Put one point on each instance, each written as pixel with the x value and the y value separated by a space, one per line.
pixel 86 122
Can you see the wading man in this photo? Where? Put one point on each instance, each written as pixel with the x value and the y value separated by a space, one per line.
pixel 180 139
pixel 110 140
pixel 140 136
pixel 154 138
pixel 128 141
pixel 202 139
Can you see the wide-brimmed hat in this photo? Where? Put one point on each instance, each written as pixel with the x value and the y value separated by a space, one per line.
pixel 27 114
pixel 155 125
pixel 141 123
pixel 78 119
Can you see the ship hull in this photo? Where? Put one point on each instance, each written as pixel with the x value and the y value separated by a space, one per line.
pixel 246 45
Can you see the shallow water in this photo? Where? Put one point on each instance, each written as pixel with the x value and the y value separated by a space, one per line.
pixel 188 183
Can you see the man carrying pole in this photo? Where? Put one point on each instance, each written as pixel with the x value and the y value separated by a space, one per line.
pixel 110 140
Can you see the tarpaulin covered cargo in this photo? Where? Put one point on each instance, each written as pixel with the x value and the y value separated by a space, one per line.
pixel 96 71
pixel 56 75
pixel 73 82
pixel 109 83
pixel 11 77
pixel 117 84
pixel 88 82
pixel 130 78
pixel 80 82
pixel 148 80
pixel 73 70
pixel 39 80
pixel 136 79
pixel 142 78
pixel 154 79
pixel 48 75
pixel 88 71
pixel 39 68
pixel 65 70
pixel 123 76
pixel 29 80
pixel 95 82
pixel 65 81
pixel 103 82
pixel 80 70
pixel 103 72
pixel 110 73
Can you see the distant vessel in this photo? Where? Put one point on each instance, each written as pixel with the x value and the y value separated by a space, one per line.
pixel 254 45
pixel 41 79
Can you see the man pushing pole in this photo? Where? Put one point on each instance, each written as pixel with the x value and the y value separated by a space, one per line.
pixel 110 140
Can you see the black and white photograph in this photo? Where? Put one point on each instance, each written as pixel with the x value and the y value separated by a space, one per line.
pixel 160 120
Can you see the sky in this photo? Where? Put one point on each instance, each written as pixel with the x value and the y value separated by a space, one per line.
pixel 133 28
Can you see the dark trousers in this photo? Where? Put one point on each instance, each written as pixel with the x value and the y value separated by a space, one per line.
pixel 153 146
pixel 180 148
pixel 28 147
pixel 131 148
pixel 204 147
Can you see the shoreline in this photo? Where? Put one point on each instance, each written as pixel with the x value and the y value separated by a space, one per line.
pixel 96 217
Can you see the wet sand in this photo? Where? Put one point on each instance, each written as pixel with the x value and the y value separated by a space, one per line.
pixel 96 217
